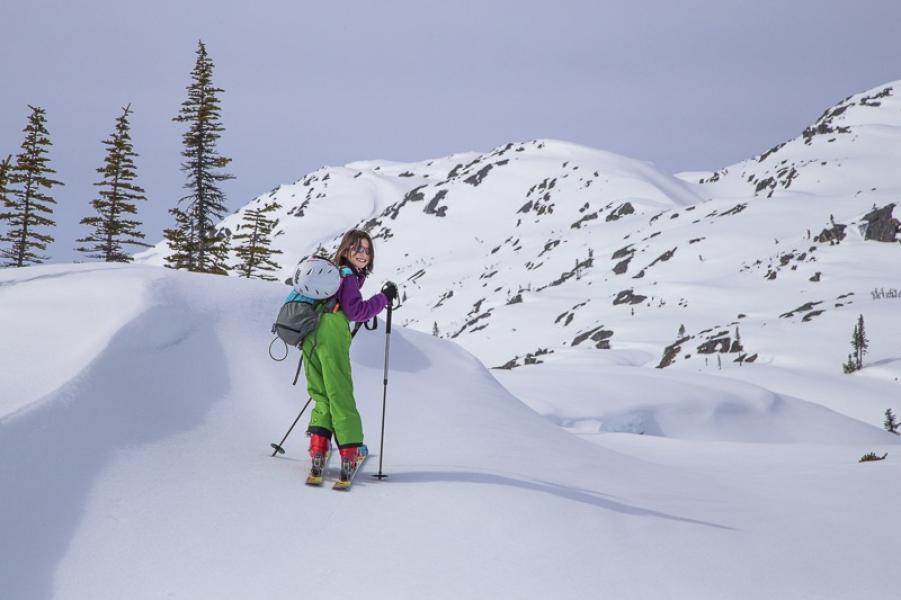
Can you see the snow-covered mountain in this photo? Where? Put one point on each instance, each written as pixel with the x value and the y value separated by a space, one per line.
pixel 852 149
pixel 673 419
pixel 134 463
pixel 544 250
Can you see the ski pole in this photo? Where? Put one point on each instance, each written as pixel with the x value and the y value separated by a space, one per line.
pixel 381 475
pixel 278 447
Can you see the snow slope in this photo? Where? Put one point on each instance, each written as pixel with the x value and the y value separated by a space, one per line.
pixel 546 252
pixel 673 420
pixel 145 471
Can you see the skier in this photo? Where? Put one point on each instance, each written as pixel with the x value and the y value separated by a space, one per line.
pixel 327 361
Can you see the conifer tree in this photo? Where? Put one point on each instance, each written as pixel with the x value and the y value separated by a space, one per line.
pixel 890 423
pixel 117 197
pixel 195 242
pixel 859 342
pixel 254 239
pixel 850 366
pixel 5 168
pixel 179 239
pixel 27 204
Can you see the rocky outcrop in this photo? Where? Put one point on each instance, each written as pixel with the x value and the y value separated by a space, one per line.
pixel 881 225
pixel 621 211
pixel 599 335
pixel 831 235
pixel 529 359
pixel 671 352
pixel 627 296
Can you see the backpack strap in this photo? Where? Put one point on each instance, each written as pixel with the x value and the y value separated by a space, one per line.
pixel 334 308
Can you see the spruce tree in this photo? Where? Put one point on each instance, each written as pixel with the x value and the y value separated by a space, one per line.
pixel 27 203
pixel 890 423
pixel 850 366
pixel 254 239
pixel 195 242
pixel 860 342
pixel 5 168
pixel 117 199
pixel 179 239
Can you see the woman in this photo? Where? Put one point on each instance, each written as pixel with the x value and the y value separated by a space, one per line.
pixel 327 360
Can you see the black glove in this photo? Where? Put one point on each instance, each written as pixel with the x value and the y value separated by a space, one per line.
pixel 390 291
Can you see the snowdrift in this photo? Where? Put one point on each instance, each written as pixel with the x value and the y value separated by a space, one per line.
pixel 141 469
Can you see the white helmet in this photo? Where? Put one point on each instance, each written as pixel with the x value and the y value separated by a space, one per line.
pixel 316 277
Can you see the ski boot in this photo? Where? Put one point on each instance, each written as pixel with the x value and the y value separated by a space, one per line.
pixel 351 461
pixel 320 450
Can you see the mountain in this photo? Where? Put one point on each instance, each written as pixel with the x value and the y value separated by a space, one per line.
pixel 852 149
pixel 544 250
pixel 135 463
pixel 665 414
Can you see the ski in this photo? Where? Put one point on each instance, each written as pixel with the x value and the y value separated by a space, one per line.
pixel 344 484
pixel 317 471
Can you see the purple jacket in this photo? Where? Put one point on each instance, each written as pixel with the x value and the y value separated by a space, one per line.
pixel 351 301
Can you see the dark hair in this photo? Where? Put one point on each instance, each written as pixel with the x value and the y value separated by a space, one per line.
pixel 350 240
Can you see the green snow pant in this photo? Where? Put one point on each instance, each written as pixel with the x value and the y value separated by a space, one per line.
pixel 326 354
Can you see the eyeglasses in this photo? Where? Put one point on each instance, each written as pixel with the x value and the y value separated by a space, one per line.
pixel 361 249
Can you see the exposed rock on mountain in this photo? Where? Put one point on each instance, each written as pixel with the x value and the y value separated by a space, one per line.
pixel 500 249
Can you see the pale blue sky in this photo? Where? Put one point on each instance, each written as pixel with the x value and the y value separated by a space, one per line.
pixel 687 85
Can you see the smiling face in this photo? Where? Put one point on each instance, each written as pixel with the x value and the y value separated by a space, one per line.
pixel 358 254
pixel 356 249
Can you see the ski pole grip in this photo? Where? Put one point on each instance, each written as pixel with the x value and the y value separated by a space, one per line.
pixel 388 320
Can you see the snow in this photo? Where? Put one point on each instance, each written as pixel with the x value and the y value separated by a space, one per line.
pixel 138 402
pixel 148 474
pixel 53 327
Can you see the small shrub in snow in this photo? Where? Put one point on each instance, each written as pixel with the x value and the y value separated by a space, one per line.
pixel 890 423
pixel 871 456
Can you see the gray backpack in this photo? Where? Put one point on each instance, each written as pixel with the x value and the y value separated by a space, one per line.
pixel 295 321
pixel 316 281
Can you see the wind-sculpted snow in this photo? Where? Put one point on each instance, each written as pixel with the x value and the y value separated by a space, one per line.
pixel 144 386
pixel 529 230
pixel 674 344
pixel 68 299
pixel 147 473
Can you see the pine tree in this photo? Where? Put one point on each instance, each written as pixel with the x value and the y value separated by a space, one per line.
pixel 117 197
pixel 179 239
pixel 27 204
pixel 254 251
pixel 890 423
pixel 195 242
pixel 5 168
pixel 435 331
pixel 850 366
pixel 681 331
pixel 860 342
